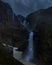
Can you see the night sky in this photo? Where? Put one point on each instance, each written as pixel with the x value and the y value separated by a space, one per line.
pixel 24 7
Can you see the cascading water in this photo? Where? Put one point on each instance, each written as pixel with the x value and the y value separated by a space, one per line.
pixel 29 51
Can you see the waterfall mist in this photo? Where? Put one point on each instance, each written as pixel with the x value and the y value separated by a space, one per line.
pixel 28 56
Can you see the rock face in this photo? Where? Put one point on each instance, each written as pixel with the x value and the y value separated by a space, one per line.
pixel 23 34
pixel 11 31
pixel 6 16
pixel 41 24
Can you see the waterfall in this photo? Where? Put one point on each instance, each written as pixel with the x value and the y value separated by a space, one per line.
pixel 29 52
pixel 30 46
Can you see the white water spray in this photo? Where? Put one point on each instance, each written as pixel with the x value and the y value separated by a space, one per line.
pixel 29 55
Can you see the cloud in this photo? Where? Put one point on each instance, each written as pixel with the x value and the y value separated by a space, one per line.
pixel 24 7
